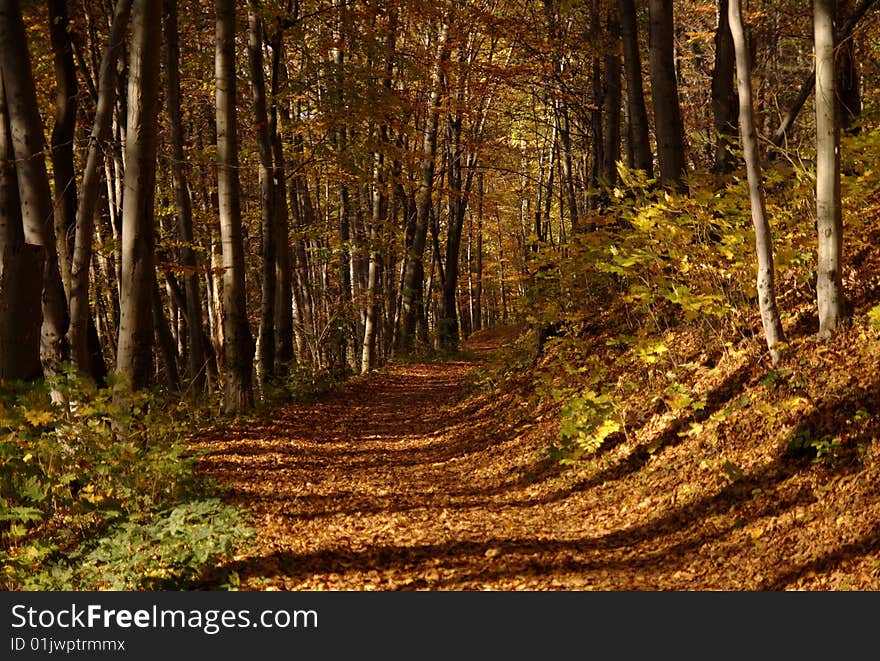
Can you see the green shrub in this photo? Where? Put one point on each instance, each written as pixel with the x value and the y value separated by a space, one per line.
pixel 169 549
pixel 109 464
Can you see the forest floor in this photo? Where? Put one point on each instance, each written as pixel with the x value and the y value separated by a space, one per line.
pixel 415 479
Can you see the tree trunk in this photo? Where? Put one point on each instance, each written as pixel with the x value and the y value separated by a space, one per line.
pixel 134 359
pixel 447 323
pixel 725 107
pixel 284 331
pixel 80 353
pixel 829 284
pixel 20 269
pixel 33 180
pixel 63 134
pixel 637 114
pixel 165 339
pixel 267 194
pixel 414 276
pixel 368 348
pixel 611 105
pixel 379 209
pixel 196 355
pixel 763 241
pixel 478 265
pixel 668 125
pixel 238 343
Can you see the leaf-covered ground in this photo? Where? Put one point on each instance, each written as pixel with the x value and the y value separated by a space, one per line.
pixel 409 480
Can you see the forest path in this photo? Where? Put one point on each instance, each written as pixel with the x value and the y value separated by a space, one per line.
pixel 396 482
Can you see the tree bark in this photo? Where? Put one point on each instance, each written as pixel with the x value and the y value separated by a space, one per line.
pixel 196 355
pixel 725 107
pixel 829 282
pixel 33 180
pixel 763 241
pixel 478 262
pixel 267 194
pixel 20 273
pixel 637 114
pixel 284 330
pixel 611 105
pixel 238 342
pixel 134 359
pixel 379 209
pixel 414 276
pixel 668 125
pixel 447 323
pixel 165 339
pixel 80 353
pixel 63 134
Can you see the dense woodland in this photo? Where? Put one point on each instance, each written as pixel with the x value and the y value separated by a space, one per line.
pixel 221 206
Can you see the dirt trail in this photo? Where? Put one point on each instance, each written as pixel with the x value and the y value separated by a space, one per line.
pixel 395 482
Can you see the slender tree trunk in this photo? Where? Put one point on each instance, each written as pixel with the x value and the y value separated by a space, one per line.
pixel 568 167
pixel 368 349
pixel 637 114
pixel 134 359
pixel 478 276
pixel 63 134
pixel 267 194
pixel 414 275
pixel 447 323
pixel 829 283
pixel 379 209
pixel 87 204
pixel 611 104
pixel 33 180
pixel 165 339
pixel 763 241
pixel 284 331
pixel 238 342
pixel 196 355
pixel 668 124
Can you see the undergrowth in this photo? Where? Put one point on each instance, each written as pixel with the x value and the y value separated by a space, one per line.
pixel 645 305
pixel 100 493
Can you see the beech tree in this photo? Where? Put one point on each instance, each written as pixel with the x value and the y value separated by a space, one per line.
pixel 668 125
pixel 640 156
pixel 28 146
pixel 20 272
pixel 136 327
pixel 197 361
pixel 269 234
pixel 725 105
pixel 414 274
pixel 238 342
pixel 763 242
pixel 63 134
pixel 829 224
pixel 80 350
